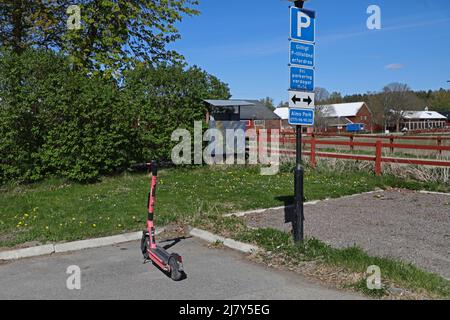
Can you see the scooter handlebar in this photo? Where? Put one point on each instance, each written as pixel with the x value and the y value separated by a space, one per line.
pixel 146 166
pixel 141 166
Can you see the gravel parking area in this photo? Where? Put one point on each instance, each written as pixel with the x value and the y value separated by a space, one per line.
pixel 408 225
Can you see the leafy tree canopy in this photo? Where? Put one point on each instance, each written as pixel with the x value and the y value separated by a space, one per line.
pixel 113 34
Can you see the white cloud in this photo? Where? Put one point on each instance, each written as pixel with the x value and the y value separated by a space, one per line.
pixel 394 66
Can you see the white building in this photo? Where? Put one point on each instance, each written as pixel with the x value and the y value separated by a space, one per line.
pixel 423 120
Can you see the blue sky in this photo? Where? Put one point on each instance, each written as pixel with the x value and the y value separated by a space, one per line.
pixel 245 44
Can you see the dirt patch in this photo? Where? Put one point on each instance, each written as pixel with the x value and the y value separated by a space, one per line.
pixel 410 226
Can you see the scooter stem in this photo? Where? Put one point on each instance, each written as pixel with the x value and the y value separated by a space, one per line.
pixel 151 205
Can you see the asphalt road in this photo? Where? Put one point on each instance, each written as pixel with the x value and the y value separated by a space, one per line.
pixel 117 272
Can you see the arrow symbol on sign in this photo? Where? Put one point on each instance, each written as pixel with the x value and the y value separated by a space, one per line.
pixel 309 100
pixel 295 99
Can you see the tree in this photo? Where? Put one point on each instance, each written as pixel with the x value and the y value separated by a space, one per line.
pixel 321 94
pixel 283 104
pixel 396 99
pixel 322 117
pixel 168 97
pixel 335 97
pixel 440 100
pixel 268 102
pixel 31 23
pixel 113 35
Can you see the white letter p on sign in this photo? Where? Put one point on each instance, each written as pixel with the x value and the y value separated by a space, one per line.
pixel 303 21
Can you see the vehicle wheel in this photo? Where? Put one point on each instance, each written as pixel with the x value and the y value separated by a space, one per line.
pixel 145 243
pixel 175 272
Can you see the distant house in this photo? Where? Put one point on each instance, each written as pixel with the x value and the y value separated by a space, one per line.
pixel 336 117
pixel 252 113
pixel 239 115
pixel 423 120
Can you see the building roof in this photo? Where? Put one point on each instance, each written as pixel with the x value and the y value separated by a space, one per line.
pixel 283 113
pixel 228 103
pixel 257 111
pixel 423 115
pixel 342 110
pixel 250 109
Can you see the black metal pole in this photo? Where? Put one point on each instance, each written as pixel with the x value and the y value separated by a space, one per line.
pixel 299 4
pixel 297 224
pixel 298 189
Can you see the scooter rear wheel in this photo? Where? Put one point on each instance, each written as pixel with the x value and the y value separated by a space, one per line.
pixel 175 272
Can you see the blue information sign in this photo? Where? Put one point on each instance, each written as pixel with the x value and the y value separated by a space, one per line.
pixel 303 24
pixel 301 117
pixel 302 79
pixel 302 54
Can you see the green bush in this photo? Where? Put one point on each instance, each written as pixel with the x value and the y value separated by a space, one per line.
pixel 57 121
pixel 167 98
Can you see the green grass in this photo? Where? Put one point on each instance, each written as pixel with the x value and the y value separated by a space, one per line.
pixel 55 210
pixel 352 259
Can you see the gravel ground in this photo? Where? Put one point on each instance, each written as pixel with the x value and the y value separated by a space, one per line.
pixel 408 225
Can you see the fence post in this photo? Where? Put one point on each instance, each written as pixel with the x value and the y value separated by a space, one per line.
pixel 313 151
pixel 351 143
pixel 378 154
pixel 391 139
pixel 439 143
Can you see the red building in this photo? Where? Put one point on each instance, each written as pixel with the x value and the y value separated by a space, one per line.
pixel 336 117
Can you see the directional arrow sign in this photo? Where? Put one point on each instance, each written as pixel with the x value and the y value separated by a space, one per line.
pixel 299 99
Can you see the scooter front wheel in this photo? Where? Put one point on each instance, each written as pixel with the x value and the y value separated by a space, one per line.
pixel 145 243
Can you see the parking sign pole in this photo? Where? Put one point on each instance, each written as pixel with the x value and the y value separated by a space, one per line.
pixel 298 189
pixel 298 218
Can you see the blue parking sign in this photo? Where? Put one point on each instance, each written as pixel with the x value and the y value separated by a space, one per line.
pixel 302 54
pixel 301 117
pixel 302 79
pixel 303 24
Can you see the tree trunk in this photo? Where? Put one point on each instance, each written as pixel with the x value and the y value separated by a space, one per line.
pixel 17 27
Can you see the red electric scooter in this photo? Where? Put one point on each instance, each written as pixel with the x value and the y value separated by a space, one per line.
pixel 172 263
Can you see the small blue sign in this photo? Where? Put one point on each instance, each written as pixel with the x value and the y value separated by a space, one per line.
pixel 302 79
pixel 303 24
pixel 301 117
pixel 355 127
pixel 302 54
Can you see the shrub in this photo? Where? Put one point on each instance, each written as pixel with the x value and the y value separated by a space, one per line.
pixel 57 121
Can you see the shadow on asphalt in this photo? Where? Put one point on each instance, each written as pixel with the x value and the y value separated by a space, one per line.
pixel 174 241
pixel 288 207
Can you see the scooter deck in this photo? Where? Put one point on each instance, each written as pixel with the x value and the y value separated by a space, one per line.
pixel 162 254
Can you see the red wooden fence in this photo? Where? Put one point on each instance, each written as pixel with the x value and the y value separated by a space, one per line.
pixel 378 145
